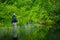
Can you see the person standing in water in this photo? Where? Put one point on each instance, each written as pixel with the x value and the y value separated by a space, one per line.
pixel 14 20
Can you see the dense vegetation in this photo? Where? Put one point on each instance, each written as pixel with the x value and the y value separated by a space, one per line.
pixel 43 13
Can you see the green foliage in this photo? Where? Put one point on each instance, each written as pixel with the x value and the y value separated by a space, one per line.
pixel 32 11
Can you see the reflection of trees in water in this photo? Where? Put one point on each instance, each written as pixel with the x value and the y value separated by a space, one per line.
pixel 53 34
